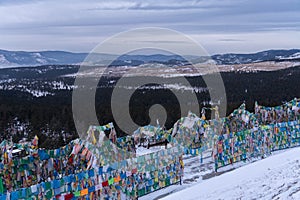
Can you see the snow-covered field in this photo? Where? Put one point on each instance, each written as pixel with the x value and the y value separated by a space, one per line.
pixel 275 177
pixel 160 70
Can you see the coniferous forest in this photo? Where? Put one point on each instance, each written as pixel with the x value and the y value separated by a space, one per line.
pixel 50 116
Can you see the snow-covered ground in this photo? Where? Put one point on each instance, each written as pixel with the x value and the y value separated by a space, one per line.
pixel 142 151
pixel 275 177
pixel 161 70
pixel 35 88
pixel 193 173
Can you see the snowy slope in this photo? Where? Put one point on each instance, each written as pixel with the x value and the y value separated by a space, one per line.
pixel 294 56
pixel 195 172
pixel 276 177
pixel 3 61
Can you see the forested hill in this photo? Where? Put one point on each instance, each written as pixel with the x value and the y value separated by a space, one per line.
pixel 41 97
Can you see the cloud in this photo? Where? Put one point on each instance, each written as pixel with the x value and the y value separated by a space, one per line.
pixel 89 22
pixel 160 5
pixel 231 40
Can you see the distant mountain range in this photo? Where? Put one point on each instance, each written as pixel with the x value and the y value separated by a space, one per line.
pixel 23 58
pixel 270 55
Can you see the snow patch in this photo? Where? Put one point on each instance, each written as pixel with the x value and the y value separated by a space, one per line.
pixel 3 60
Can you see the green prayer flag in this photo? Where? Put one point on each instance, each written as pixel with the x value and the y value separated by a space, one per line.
pixel 47 185
pixel 49 194
pixel 1 186
pixel 111 181
pixel 77 194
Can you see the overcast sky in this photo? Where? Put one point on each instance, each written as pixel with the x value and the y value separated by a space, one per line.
pixel 218 25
